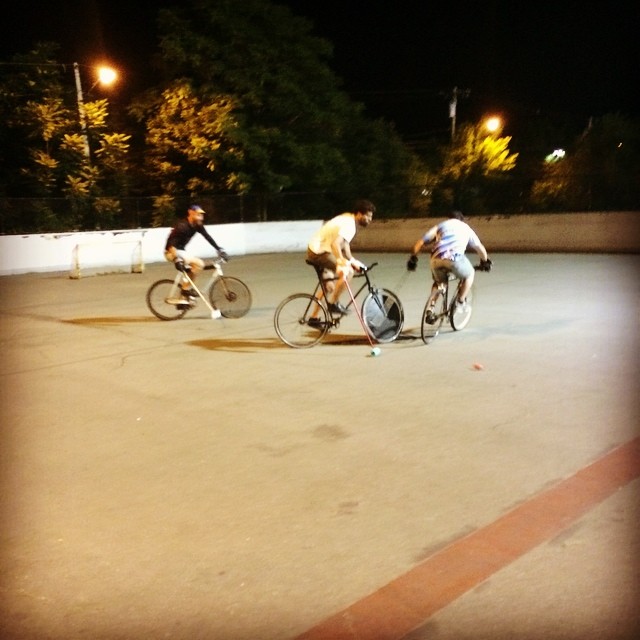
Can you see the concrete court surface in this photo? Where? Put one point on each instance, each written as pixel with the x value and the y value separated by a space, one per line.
pixel 198 479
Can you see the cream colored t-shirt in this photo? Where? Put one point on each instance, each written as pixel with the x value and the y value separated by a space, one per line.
pixel 343 226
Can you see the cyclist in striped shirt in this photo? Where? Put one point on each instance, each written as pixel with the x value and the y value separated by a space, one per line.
pixel 448 241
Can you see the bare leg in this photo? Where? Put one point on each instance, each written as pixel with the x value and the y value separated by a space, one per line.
pixel 465 286
pixel 338 289
pixel 196 265
pixel 326 289
pixel 432 296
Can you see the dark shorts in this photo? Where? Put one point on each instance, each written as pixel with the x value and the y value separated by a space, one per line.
pixel 322 260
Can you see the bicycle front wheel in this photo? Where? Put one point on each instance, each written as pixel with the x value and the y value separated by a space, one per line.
pixel 294 324
pixel 459 316
pixel 432 318
pixel 162 298
pixel 230 296
pixel 383 315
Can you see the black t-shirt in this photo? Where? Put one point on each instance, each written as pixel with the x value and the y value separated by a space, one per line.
pixel 183 232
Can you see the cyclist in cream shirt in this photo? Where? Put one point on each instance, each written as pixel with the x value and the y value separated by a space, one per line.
pixel 329 249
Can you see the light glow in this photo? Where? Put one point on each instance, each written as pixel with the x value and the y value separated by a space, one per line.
pixel 557 154
pixel 107 75
pixel 493 124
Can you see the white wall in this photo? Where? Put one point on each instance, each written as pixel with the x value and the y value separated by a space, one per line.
pixel 103 251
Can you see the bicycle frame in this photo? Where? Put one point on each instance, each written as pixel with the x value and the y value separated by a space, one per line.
pixel 183 276
pixel 322 285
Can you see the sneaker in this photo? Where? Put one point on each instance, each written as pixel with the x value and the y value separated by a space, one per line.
pixel 430 317
pixel 189 293
pixel 315 322
pixel 216 314
pixel 338 308
pixel 462 306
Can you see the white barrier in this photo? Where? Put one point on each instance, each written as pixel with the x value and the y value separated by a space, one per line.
pixel 86 253
pixel 614 232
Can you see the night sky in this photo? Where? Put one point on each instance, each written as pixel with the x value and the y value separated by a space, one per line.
pixel 403 58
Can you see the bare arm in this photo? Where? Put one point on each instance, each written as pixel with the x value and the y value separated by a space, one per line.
pixel 417 247
pixel 427 238
pixel 341 249
pixel 481 251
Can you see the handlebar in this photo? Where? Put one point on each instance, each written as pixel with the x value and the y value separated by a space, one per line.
pixel 215 262
pixel 485 265
pixel 360 273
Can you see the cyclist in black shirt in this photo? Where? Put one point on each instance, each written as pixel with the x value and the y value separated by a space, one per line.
pixel 179 237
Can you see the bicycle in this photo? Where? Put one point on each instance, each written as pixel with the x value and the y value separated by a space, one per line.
pixel 382 313
pixel 438 307
pixel 228 295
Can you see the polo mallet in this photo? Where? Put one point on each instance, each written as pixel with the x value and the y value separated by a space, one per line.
pixel 402 280
pixel 404 276
pixel 375 351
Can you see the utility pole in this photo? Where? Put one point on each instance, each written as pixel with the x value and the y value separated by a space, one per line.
pixel 453 106
pixel 81 113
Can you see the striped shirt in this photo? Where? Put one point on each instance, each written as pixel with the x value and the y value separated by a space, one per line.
pixel 451 238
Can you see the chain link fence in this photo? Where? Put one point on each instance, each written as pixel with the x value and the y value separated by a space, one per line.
pixel 60 215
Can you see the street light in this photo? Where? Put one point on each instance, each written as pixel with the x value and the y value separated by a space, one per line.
pixel 106 76
pixel 493 124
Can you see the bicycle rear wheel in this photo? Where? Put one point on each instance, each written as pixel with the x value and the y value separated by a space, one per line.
pixel 431 322
pixel 159 297
pixel 230 296
pixel 292 317
pixel 459 316
pixel 383 315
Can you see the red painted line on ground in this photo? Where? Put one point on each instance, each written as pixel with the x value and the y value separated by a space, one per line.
pixel 407 602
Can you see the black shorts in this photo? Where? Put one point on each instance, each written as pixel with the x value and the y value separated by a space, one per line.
pixel 322 260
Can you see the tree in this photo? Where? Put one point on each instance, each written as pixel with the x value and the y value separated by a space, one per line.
pixel 473 166
pixel 288 126
pixel 187 136
pixel 601 172
pixel 46 148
